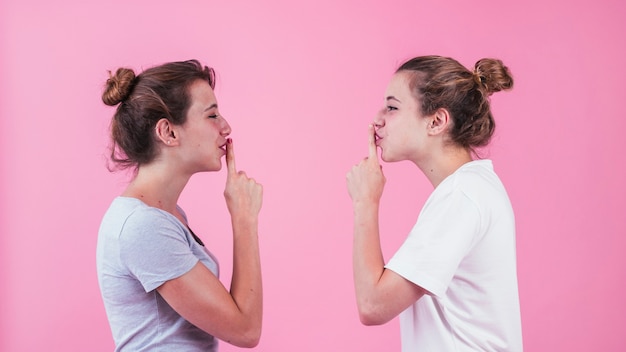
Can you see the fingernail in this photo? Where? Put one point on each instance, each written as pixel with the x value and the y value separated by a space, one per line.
pixel 229 141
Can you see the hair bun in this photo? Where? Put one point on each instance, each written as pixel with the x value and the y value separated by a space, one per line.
pixel 493 75
pixel 118 86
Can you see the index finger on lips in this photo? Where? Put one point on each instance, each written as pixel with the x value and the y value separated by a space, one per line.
pixel 230 157
pixel 372 142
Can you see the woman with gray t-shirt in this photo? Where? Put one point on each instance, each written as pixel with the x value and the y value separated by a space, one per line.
pixel 159 283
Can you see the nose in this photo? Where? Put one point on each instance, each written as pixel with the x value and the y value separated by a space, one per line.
pixel 379 120
pixel 225 130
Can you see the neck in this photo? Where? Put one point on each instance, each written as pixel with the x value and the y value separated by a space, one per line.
pixel 443 163
pixel 157 186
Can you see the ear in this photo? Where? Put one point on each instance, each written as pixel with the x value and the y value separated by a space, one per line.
pixel 439 121
pixel 166 132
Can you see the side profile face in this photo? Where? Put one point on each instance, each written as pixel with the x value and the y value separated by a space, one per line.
pixel 203 135
pixel 400 127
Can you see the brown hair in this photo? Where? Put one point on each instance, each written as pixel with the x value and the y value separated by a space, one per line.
pixel 442 82
pixel 158 92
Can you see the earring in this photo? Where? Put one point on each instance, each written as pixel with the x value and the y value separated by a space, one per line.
pixel 168 142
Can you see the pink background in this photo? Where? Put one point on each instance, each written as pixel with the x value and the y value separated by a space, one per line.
pixel 299 84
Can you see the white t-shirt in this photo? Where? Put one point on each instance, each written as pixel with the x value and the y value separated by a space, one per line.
pixel 462 251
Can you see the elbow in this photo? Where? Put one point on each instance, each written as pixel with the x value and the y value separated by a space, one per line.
pixel 371 315
pixel 371 320
pixel 252 340
pixel 249 338
pixel 248 342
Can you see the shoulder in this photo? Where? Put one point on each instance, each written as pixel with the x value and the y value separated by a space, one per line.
pixel 472 186
pixel 481 186
pixel 477 178
pixel 475 170
pixel 138 218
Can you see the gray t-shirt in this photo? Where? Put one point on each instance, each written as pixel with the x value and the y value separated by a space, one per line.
pixel 139 248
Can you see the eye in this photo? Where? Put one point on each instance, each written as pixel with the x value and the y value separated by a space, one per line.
pixel 214 116
pixel 391 108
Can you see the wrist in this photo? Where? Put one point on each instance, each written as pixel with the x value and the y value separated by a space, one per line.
pixel 365 204
pixel 245 224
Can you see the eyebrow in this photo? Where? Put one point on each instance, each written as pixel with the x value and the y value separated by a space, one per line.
pixel 211 107
pixel 391 97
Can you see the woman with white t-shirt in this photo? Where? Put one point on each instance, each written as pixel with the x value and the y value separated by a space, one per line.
pixel 453 282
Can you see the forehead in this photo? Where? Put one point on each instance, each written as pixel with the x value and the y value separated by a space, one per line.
pixel 400 88
pixel 201 94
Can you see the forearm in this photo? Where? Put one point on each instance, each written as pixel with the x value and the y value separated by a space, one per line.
pixel 368 261
pixel 246 284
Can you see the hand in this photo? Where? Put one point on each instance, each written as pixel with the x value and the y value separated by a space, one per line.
pixel 366 180
pixel 244 195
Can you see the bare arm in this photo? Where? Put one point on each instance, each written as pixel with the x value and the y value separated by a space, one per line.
pixel 381 294
pixel 233 316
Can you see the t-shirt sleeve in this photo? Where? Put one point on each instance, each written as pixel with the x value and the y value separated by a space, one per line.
pixel 155 249
pixel 445 231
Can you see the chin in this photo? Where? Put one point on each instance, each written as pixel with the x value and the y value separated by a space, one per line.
pixel 388 158
pixel 385 157
pixel 213 168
